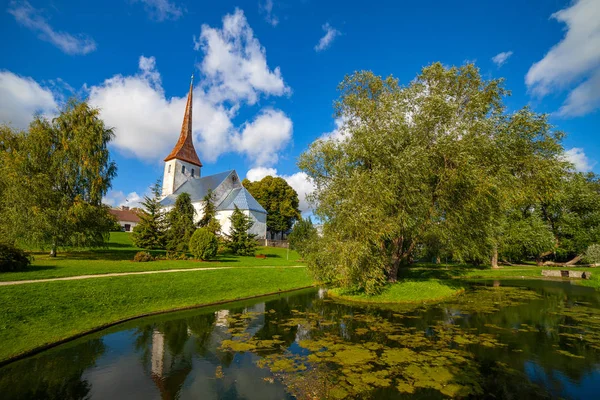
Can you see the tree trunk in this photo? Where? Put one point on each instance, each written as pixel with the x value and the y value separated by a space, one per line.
pixel 495 257
pixel 574 260
pixel 393 270
pixel 53 250
pixel 569 263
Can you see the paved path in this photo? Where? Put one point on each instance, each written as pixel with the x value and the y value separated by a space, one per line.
pixel 163 271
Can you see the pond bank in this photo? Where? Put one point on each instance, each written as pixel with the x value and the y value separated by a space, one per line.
pixel 406 292
pixel 35 316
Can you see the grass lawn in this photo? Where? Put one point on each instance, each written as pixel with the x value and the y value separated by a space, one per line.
pixel 429 282
pixel 117 258
pixel 36 314
pixel 406 292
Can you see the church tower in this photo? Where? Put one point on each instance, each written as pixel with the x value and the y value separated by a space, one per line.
pixel 183 162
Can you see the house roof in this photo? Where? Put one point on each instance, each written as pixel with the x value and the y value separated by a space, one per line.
pixel 197 188
pixel 125 215
pixel 184 148
pixel 241 198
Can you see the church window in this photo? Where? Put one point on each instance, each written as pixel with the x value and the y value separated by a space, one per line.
pixel 192 172
pixel 183 169
pixel 169 170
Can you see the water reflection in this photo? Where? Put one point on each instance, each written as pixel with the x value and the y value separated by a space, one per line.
pixel 499 340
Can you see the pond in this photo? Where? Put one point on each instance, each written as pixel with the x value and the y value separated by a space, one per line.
pixel 502 340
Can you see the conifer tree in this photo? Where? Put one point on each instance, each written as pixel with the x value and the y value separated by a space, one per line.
pixel 240 241
pixel 150 232
pixel 209 210
pixel 181 224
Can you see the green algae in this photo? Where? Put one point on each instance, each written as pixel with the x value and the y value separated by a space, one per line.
pixel 382 353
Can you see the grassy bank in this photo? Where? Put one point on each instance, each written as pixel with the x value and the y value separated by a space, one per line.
pixel 405 292
pixel 33 315
pixel 422 283
pixel 117 258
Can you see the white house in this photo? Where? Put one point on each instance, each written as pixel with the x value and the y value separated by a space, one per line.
pixel 126 217
pixel 183 174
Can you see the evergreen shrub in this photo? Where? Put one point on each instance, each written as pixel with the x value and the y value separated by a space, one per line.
pixel 13 258
pixel 204 245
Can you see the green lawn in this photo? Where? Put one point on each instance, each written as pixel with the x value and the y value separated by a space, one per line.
pixel 36 314
pixel 117 258
pixel 406 292
pixel 429 282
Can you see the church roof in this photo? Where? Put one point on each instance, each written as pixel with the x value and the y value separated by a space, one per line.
pixel 197 188
pixel 184 149
pixel 241 198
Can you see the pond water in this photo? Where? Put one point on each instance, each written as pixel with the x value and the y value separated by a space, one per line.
pixel 501 340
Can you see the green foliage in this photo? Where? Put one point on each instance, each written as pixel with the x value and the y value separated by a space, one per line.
pixel 143 256
pixel 279 199
pixel 592 254
pixel 303 234
pixel 435 161
pixel 13 258
pixel 181 224
pixel 239 240
pixel 525 235
pixel 209 209
pixel 574 215
pixel 53 178
pixel 150 232
pixel 204 244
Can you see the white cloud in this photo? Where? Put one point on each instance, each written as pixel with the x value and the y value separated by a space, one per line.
pixel 584 99
pixel 267 9
pixel 21 98
pixel 330 34
pixel 263 138
pixel 339 133
pixel 116 198
pixel 299 181
pixel 235 63
pixel 575 59
pixel 256 174
pixel 31 18
pixel 147 124
pixel 501 58
pixel 161 10
pixel 577 157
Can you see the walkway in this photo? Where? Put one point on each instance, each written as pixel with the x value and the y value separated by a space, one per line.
pixel 164 271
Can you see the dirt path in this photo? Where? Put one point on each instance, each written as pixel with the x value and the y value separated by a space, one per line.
pixel 164 271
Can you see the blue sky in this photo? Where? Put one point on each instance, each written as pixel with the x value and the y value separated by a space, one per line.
pixel 267 71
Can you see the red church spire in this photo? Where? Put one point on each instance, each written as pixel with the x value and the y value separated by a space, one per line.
pixel 184 149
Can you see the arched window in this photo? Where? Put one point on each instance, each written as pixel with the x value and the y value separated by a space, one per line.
pixel 192 172
pixel 183 169
pixel 169 170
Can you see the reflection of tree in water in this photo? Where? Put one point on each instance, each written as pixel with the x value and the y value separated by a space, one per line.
pixel 61 378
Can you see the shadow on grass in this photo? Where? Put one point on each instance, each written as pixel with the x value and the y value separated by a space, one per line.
pixel 35 268
pixel 436 271
pixel 108 255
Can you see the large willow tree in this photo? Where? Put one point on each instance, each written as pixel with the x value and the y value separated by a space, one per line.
pixel 437 158
pixel 54 176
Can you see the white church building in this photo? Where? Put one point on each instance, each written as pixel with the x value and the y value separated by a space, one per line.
pixel 183 175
